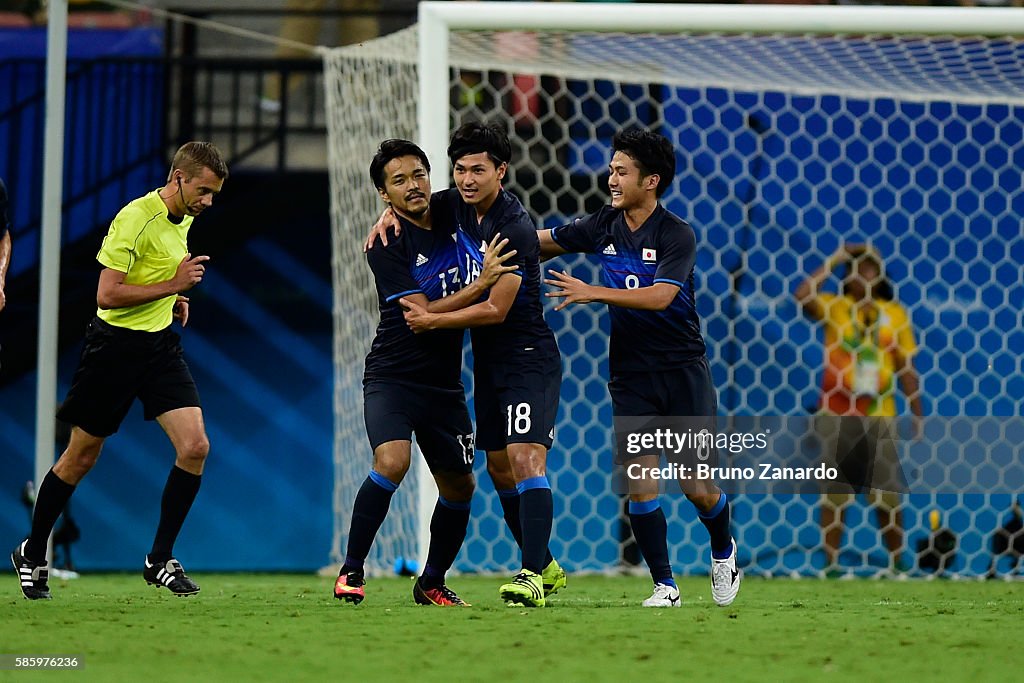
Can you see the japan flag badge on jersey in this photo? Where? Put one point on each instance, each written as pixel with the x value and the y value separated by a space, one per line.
pixel 649 255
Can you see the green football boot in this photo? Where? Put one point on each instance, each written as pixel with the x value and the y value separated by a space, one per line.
pixel 554 578
pixel 526 589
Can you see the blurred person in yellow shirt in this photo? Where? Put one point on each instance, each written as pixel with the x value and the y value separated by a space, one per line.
pixel 869 348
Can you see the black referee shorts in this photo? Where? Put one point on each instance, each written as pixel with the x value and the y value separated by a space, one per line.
pixel 119 365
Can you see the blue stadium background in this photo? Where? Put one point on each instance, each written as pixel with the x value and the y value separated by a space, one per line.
pixel 260 340
pixel 945 201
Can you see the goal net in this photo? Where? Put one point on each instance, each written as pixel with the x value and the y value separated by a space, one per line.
pixel 896 133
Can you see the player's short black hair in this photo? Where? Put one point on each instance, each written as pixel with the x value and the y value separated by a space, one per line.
pixel 653 154
pixel 389 150
pixel 475 137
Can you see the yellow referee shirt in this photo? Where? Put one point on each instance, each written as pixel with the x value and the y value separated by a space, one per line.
pixel 147 247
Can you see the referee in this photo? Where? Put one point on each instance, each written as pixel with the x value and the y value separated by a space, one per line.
pixel 130 352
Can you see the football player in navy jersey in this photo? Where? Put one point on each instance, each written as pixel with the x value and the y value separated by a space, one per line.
pixel 412 383
pixel 517 367
pixel 657 357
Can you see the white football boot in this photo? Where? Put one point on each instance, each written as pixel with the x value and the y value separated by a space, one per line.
pixel 725 578
pixel 664 596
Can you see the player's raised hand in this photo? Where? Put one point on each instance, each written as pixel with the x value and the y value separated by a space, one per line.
pixel 388 219
pixel 839 256
pixel 181 310
pixel 494 261
pixel 190 272
pixel 570 289
pixel 417 317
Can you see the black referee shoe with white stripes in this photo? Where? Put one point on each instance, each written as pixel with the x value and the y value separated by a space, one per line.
pixel 33 576
pixel 170 575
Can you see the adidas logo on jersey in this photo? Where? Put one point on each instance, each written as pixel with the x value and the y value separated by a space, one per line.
pixel 483 246
pixel 610 250
pixel 421 259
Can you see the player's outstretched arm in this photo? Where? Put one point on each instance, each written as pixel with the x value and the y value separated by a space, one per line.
pixel 549 248
pixel 493 268
pixel 113 292
pixel 572 290
pixel 490 312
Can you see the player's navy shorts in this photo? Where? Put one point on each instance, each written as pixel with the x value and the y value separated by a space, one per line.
pixel 394 411
pixel 684 397
pixel 516 398
pixel 119 365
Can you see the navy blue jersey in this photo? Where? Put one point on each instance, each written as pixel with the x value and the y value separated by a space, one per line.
pixel 524 326
pixel 663 249
pixel 417 261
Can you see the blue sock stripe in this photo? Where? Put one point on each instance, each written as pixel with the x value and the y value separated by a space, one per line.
pixel 453 504
pixel 644 508
pixel 383 482
pixel 717 510
pixel 507 493
pixel 722 553
pixel 668 582
pixel 540 482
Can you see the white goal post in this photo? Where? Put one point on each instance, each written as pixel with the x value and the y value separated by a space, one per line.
pixel 798 128
pixel 437 19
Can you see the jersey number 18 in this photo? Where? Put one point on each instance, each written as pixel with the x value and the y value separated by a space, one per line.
pixel 472 270
pixel 520 421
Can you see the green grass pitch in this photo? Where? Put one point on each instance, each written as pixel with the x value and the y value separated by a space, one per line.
pixel 289 628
